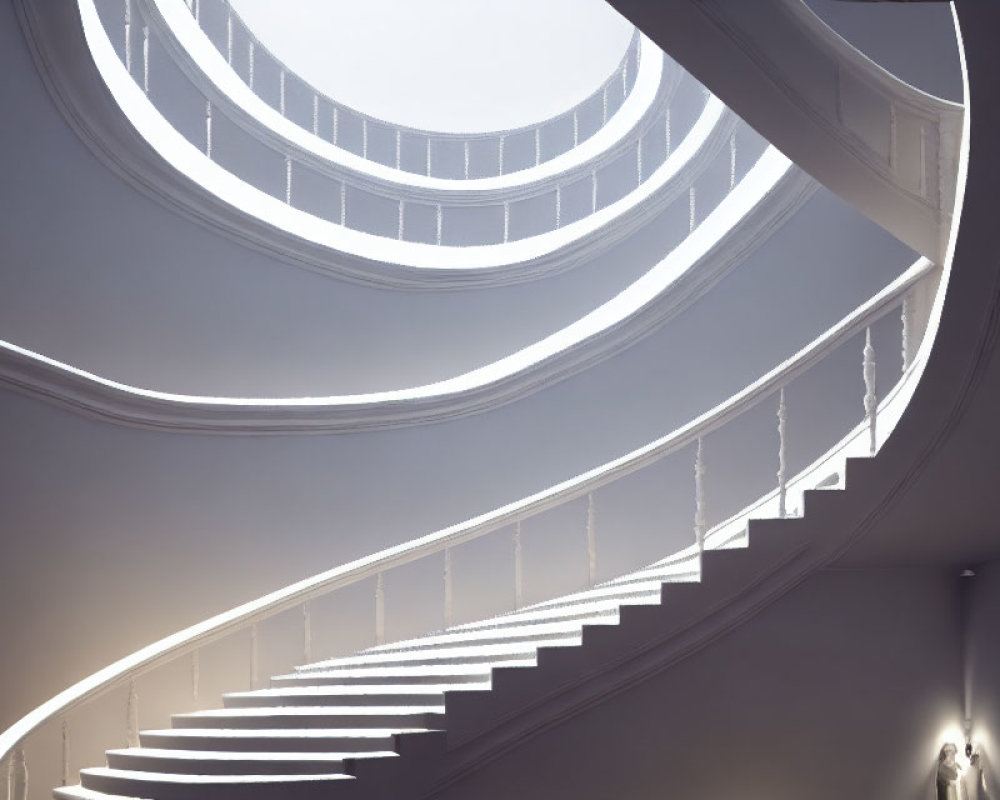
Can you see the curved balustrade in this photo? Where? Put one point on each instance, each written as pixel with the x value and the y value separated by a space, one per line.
pixel 432 153
pixel 911 294
pixel 335 206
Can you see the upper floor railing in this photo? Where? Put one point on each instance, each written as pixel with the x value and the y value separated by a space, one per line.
pixel 455 156
pixel 661 142
pixel 48 737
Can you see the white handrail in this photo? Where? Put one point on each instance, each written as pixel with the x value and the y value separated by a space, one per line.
pixel 238 618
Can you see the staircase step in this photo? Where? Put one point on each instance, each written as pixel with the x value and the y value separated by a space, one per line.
pixel 276 740
pixel 220 762
pixel 410 674
pixel 298 717
pixel 458 654
pixel 527 632
pixel 582 612
pixel 80 793
pixel 170 786
pixel 374 694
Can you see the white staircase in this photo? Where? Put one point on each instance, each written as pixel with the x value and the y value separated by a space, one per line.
pixel 306 734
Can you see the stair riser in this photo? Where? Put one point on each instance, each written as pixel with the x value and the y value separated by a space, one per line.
pixel 434 659
pixel 151 790
pixel 527 637
pixel 306 680
pixel 364 700
pixel 312 721
pixel 205 766
pixel 266 744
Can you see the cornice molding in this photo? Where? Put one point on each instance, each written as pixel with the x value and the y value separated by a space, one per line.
pixel 787 189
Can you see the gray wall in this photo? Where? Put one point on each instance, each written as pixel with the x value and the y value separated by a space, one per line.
pixel 983 664
pixel 840 689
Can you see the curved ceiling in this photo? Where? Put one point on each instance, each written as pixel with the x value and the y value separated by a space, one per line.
pixel 446 65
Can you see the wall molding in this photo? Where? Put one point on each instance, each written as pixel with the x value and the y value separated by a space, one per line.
pixel 627 322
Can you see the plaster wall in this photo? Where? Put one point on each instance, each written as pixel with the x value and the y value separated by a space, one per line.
pixel 843 688
pixel 983 664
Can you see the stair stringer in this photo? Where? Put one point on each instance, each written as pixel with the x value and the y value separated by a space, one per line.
pixel 737 584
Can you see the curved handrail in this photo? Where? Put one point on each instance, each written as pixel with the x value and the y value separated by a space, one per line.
pixel 238 618
pixel 256 48
pixel 209 70
pixel 767 194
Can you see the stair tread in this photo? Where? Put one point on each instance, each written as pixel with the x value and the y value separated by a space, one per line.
pixel 181 777
pixel 284 733
pixel 359 690
pixel 309 711
pixel 248 755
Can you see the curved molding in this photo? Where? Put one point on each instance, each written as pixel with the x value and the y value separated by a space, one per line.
pixel 67 66
pixel 618 74
pixel 761 202
pixel 884 146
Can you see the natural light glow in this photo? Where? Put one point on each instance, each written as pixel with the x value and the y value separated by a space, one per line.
pixel 521 60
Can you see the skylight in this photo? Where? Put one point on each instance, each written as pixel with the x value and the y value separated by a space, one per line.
pixel 447 65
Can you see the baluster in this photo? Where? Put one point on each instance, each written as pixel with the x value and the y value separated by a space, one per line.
pixel 466 159
pixel 909 332
pixel 380 609
pixel 229 34
pixel 691 209
pixel 288 180
pixel 64 733
pixel 428 156
pixel 538 146
pixel 208 128
pixel 336 125
pixel 128 36
pixel 447 588
pixel 399 148
pixel 667 131
pixel 503 140
pixel 281 92
pixel 440 223
pixel 145 59
pixel 315 114
pixel 604 106
pixel 251 62
pixel 518 568
pixel 591 539
pixel 343 204
pixel 364 137
pixel 699 496
pixel 400 221
pixel 254 655
pixel 593 191
pixel 638 163
pixel 871 399
pixel 625 79
pixel 782 480
pixel 132 716
pixel 558 206
pixel 307 635
pixel 195 675
pixel 18 776
pixel 576 127
pixel 506 221
pixel 732 160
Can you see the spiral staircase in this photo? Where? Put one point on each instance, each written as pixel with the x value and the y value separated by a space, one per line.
pixel 430 714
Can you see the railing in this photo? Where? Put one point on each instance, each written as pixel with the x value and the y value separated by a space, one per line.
pixel 463 213
pixel 701 440
pixel 432 153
